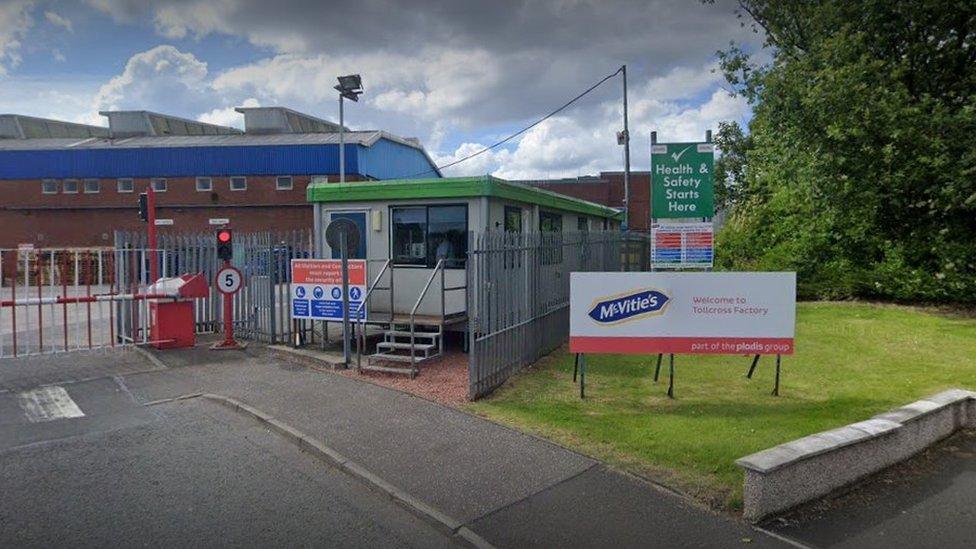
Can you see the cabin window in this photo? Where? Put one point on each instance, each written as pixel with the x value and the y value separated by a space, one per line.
pixel 551 227
pixel 513 219
pixel 423 235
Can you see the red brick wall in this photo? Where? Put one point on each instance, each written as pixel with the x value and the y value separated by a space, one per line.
pixel 64 220
pixel 608 190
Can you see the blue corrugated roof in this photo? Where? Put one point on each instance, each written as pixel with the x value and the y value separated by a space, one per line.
pixel 383 159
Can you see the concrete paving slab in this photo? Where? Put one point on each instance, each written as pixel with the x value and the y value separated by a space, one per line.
pixel 578 511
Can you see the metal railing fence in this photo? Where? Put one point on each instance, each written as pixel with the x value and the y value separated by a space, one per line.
pixel 518 294
pixel 261 307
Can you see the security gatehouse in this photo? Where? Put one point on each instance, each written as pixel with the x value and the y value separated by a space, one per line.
pixel 415 239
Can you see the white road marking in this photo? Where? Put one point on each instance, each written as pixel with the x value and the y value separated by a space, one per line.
pixel 48 404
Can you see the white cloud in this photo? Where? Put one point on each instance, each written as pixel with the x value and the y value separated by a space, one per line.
pixel 228 116
pixel 162 78
pixel 59 21
pixel 15 21
pixel 58 55
pixel 565 146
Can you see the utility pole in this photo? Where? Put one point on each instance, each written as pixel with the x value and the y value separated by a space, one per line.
pixel 626 156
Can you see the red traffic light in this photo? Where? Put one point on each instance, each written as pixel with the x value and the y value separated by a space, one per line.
pixel 223 236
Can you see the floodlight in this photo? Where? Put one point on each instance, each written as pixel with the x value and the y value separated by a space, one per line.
pixel 350 83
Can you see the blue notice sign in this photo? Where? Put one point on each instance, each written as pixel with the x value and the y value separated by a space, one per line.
pixel 299 307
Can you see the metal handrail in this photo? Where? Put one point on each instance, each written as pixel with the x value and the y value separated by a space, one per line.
pixel 413 312
pixel 361 340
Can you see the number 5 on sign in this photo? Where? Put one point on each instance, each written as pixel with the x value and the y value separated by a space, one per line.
pixel 229 280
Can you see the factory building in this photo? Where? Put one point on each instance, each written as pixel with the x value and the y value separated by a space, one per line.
pixel 607 189
pixel 72 185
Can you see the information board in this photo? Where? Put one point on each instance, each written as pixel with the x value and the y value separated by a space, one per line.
pixel 316 289
pixel 695 313
pixel 682 246
pixel 682 180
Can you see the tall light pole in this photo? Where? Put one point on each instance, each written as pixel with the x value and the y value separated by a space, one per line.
pixel 626 157
pixel 349 87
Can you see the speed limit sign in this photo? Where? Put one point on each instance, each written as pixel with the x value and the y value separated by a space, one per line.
pixel 229 280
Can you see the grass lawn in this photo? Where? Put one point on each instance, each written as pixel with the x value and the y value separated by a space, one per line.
pixel 852 361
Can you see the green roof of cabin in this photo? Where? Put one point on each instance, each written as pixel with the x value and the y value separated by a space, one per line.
pixel 452 187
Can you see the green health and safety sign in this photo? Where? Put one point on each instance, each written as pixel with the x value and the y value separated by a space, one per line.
pixel 681 180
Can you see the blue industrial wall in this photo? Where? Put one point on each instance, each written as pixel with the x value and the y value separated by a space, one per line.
pixel 213 161
pixel 391 160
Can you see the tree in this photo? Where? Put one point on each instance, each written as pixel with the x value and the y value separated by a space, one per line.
pixel 860 170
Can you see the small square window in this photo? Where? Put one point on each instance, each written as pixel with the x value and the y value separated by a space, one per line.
pixel 49 186
pixel 159 184
pixel 124 185
pixel 93 186
pixel 283 183
pixel 238 183
pixel 204 184
pixel 70 186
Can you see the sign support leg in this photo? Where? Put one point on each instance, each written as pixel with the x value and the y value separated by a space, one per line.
pixel 575 367
pixel 671 377
pixel 776 385
pixel 657 370
pixel 582 372
pixel 755 361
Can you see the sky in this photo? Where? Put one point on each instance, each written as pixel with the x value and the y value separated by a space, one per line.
pixel 457 74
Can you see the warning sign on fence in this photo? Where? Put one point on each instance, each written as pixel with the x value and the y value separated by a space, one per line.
pixel 682 246
pixel 316 289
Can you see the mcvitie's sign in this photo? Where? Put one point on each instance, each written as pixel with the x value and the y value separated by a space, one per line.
pixel 681 180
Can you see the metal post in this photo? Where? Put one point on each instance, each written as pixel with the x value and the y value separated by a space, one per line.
pixel 343 245
pixel 755 361
pixel 671 377
pixel 576 367
pixel 228 317
pixel 582 361
pixel 776 386
pixel 151 205
pixel 626 156
pixel 657 370
pixel 342 145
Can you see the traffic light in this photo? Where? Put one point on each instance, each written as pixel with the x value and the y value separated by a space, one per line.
pixel 225 244
pixel 144 206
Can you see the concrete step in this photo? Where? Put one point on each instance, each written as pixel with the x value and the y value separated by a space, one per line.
pixel 417 335
pixel 400 358
pixel 405 346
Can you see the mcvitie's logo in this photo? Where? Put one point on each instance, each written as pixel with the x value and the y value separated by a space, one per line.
pixel 629 306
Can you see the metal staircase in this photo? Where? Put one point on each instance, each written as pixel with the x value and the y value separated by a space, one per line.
pixel 426 343
pixel 408 339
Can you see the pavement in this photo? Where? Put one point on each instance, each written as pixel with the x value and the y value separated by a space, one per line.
pixel 511 489
pixel 927 501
